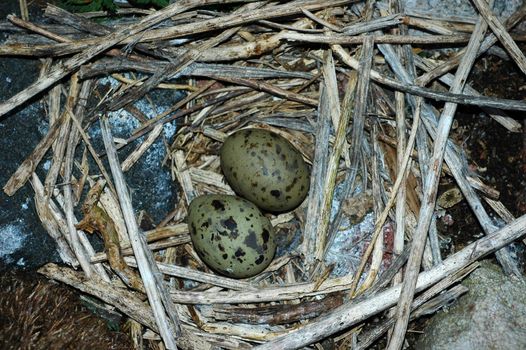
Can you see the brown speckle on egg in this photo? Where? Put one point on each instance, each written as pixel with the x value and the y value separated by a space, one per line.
pixel 275 193
pixel 218 205
pixel 232 235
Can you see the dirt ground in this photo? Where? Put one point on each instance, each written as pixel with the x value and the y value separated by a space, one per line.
pixel 497 155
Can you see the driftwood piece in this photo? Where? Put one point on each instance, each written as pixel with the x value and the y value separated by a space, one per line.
pixel 277 314
pixel 349 314
pixel 169 327
pixel 430 189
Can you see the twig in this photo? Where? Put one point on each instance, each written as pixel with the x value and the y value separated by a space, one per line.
pixel 269 88
pixel 380 39
pixel 394 192
pixel 288 9
pixel 500 32
pixel 155 289
pixel 456 163
pixel 177 64
pixel 104 43
pixel 454 61
pixel 68 193
pixel 420 304
pixel 374 24
pixel 317 180
pixel 349 314
pixel 320 21
pixel 23 10
pixel 276 314
pixel 352 104
pixel 48 214
pixel 430 191
pixel 203 277
pixel 61 141
pixel 339 122
pixel 163 244
pixel 400 207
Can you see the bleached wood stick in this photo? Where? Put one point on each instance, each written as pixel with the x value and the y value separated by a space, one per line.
pixel 69 150
pixel 481 101
pixel 59 147
pixel 317 180
pixel 162 306
pixel 340 39
pixel 282 10
pixel 48 214
pixel 455 162
pixel 339 124
pixel 194 275
pixel 430 190
pixel 500 32
pixel 103 43
pixel 349 314
pixel 394 192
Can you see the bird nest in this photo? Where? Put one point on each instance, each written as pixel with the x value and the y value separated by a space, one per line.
pixel 344 81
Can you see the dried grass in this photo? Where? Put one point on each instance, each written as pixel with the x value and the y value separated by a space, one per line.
pixel 336 79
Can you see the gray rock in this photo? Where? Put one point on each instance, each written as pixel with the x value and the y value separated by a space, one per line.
pixel 24 243
pixel 461 8
pixel 491 316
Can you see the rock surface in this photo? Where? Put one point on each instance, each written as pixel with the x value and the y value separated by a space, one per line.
pixel 491 316
pixel 461 8
pixel 24 243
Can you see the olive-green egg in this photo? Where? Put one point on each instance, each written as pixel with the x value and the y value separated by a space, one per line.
pixel 266 169
pixel 231 235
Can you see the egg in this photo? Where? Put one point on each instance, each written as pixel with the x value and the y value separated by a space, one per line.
pixel 266 169
pixel 231 235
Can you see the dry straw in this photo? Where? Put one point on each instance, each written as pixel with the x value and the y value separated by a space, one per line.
pixel 337 79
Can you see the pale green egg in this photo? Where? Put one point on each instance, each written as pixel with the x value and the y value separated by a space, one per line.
pixel 266 169
pixel 231 235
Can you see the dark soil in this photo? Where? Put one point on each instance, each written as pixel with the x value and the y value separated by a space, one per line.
pixel 494 153
pixel 497 155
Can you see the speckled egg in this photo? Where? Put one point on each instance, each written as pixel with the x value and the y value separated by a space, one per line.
pixel 231 235
pixel 266 169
